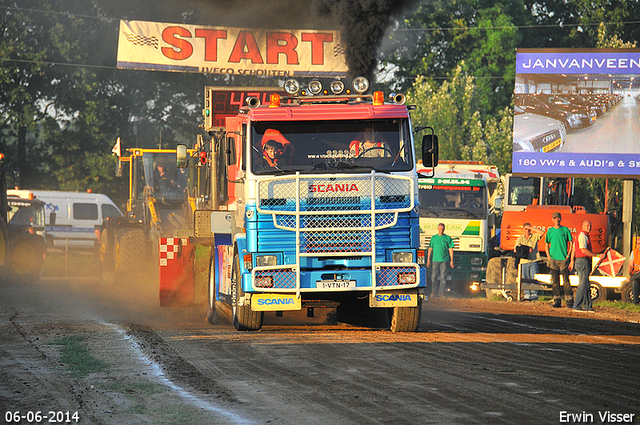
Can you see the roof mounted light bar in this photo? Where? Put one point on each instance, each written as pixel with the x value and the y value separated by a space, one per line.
pixel 315 92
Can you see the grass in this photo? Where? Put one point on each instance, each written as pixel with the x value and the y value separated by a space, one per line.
pixel 76 356
pixel 619 305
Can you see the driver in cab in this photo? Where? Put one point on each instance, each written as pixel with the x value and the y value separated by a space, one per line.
pixel 367 145
pixel 276 150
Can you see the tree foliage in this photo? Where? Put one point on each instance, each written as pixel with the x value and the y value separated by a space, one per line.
pixel 452 108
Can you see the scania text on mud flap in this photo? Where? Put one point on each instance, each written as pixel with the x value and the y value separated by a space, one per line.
pixel 313 200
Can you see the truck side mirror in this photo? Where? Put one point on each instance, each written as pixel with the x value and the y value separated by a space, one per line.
pixel 52 219
pixel 497 203
pixel 181 156
pixel 430 150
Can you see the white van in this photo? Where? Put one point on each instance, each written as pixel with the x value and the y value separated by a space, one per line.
pixel 76 217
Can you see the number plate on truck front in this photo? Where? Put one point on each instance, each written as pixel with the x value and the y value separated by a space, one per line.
pixel 335 284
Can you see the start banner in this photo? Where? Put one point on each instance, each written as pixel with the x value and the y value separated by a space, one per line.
pixel 225 50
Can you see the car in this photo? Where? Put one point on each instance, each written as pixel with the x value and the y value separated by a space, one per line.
pixel 573 117
pixel 584 101
pixel 537 133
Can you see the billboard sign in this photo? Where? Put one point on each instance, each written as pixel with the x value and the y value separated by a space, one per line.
pixel 233 51
pixel 577 112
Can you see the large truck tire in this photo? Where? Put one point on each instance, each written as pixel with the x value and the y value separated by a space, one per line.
pixel 26 261
pixel 244 319
pixel 131 253
pixel 405 319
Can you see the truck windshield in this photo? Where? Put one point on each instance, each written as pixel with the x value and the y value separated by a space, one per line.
pixel 346 146
pixel 453 201
pixel 24 213
pixel 524 191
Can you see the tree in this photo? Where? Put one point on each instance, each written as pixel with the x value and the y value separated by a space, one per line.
pixel 438 35
pixel 452 109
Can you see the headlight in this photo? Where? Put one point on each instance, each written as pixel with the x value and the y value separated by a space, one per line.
pixel 337 87
pixel 266 260
pixel 406 278
pixel 402 257
pixel 476 261
pixel 292 87
pixel 315 87
pixel 360 84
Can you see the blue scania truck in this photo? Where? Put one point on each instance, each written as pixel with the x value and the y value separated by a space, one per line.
pixel 310 200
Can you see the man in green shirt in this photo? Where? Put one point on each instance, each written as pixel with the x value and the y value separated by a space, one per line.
pixel 558 247
pixel 441 251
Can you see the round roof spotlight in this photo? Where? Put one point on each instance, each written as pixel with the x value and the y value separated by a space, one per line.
pixel 292 87
pixel 337 87
pixel 315 87
pixel 360 84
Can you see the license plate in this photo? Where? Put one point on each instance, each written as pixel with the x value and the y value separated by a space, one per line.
pixel 551 146
pixel 335 284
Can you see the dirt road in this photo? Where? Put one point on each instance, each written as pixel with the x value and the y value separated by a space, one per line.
pixel 114 357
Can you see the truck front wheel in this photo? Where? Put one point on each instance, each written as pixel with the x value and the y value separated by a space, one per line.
pixel 405 319
pixel 244 319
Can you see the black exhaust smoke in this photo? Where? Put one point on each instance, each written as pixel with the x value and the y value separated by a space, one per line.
pixel 363 24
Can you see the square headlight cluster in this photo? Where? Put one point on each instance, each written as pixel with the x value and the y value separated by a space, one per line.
pixel 402 257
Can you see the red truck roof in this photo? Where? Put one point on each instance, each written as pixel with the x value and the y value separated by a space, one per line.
pixel 325 111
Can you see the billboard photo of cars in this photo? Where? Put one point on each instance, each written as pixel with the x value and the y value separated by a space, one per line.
pixel 577 112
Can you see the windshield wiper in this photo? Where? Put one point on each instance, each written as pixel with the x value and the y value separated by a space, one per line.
pixel 343 166
pixel 471 213
pixel 431 210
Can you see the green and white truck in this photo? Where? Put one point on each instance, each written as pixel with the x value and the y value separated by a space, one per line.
pixel 462 195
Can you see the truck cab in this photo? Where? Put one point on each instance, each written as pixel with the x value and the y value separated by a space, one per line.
pixel 321 195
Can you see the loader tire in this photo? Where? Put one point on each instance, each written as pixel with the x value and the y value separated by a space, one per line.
pixel 131 253
pixel 26 261
pixel 244 319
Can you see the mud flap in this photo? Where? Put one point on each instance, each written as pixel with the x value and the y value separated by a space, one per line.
pixel 399 298
pixel 177 280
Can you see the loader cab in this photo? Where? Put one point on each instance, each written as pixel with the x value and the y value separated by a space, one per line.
pixel 155 174
pixel 522 191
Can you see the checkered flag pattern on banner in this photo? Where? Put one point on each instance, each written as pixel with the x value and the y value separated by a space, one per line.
pixel 338 50
pixel 141 40
pixel 611 262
